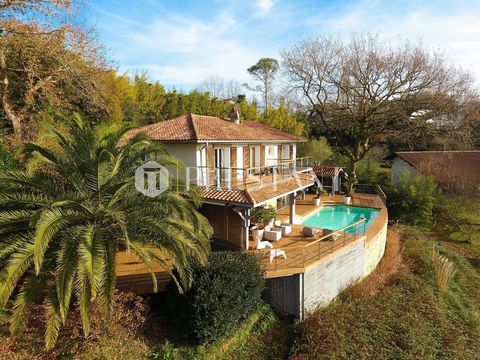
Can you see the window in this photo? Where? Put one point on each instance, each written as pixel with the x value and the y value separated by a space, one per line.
pixel 282 202
pixel 285 152
pixel 270 151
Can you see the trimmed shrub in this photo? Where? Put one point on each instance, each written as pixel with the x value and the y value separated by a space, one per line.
pixel 224 294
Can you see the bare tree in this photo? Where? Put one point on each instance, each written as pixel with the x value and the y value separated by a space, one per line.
pixel 220 88
pixel 264 72
pixel 46 59
pixel 364 90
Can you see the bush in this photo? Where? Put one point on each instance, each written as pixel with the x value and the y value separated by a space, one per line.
pixel 413 200
pixel 119 337
pixel 263 215
pixel 223 295
pixel 370 172
pixel 318 149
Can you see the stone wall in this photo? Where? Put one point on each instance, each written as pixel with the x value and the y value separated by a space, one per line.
pixel 324 281
pixel 374 250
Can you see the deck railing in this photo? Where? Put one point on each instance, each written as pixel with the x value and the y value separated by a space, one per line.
pixel 240 178
pixel 298 257
pixel 371 189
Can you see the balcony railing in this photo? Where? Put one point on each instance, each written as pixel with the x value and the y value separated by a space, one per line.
pixel 240 178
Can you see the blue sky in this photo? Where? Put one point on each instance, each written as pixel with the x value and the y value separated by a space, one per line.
pixel 181 43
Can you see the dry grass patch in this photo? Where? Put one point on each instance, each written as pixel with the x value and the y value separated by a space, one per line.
pixel 118 338
pixel 443 270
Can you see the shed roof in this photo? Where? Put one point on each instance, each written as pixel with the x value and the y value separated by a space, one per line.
pixel 463 165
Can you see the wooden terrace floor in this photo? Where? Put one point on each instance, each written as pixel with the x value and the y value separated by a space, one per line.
pixel 303 252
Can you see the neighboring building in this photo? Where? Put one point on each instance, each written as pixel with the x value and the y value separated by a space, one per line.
pixel 330 177
pixel 238 165
pixel 449 168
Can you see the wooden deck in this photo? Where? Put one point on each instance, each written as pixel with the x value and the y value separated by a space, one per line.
pixel 133 275
pixel 301 252
pixel 304 252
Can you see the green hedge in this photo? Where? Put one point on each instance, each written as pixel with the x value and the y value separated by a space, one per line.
pixel 224 294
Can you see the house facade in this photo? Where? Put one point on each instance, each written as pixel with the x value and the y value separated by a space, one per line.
pixel 241 165
pixel 237 165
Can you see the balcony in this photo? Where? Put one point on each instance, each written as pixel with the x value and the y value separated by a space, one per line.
pixel 234 178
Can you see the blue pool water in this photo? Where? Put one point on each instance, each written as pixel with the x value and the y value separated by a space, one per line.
pixel 334 217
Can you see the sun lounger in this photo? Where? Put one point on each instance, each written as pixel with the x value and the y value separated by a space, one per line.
pixel 310 232
pixel 333 237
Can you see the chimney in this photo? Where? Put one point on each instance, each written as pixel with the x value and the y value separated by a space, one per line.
pixel 235 115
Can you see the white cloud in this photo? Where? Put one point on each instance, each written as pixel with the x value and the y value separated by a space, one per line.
pixel 456 32
pixel 265 5
pixel 183 48
pixel 183 51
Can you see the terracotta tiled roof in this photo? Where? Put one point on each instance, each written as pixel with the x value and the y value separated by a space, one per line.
pixel 237 196
pixel 255 195
pixel 444 165
pixel 326 170
pixel 198 128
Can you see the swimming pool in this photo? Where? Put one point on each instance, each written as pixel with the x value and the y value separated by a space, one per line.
pixel 334 217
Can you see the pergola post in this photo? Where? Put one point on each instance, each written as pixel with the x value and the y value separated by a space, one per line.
pixel 335 184
pixel 291 204
pixel 246 227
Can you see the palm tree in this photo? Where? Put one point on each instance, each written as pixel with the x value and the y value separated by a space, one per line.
pixel 64 218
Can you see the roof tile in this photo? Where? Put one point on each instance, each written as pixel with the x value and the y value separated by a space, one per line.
pixel 191 127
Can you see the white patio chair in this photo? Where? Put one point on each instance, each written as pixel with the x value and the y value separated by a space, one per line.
pixel 273 234
pixel 285 227
pixel 277 252
pixel 263 244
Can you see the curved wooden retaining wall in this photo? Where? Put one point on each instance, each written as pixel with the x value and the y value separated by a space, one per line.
pixel 300 294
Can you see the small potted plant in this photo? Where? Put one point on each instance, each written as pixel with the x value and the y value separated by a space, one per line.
pixel 261 217
pixel 319 191
pixel 347 199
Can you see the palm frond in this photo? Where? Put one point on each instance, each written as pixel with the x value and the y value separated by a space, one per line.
pixel 17 264
pixel 67 260
pixel 26 297
pixel 84 298
pixel 54 321
pixel 107 279
pixel 47 226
